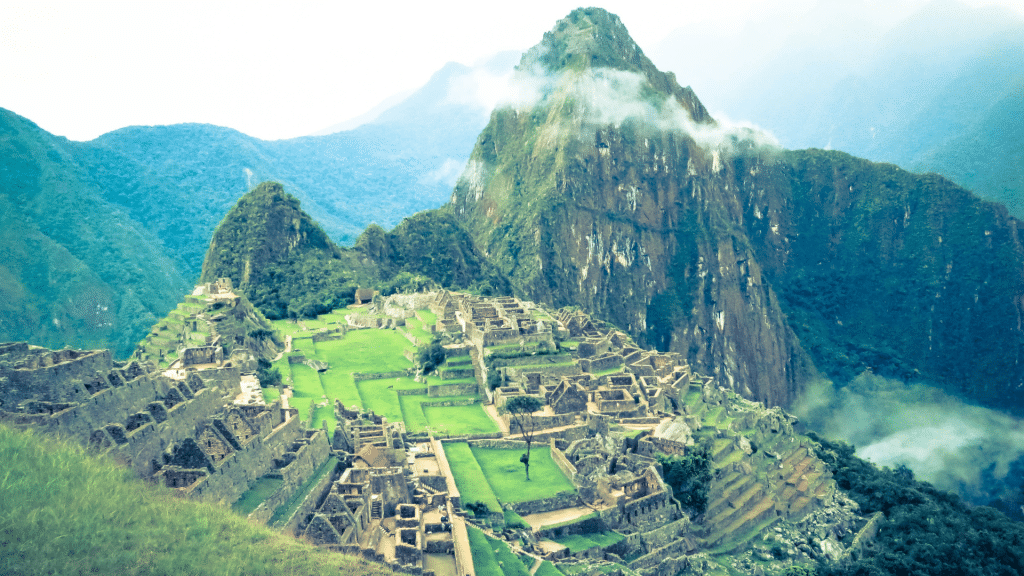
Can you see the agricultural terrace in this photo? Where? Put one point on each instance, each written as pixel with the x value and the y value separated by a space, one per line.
pixel 492 475
pixel 493 557
pixel 374 351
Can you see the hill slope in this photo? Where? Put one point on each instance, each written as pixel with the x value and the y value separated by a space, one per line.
pixel 612 188
pixel 76 268
pixel 68 512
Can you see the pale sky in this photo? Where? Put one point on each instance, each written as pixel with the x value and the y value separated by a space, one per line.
pixel 280 70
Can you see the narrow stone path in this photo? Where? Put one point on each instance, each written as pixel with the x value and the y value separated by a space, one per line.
pixel 536 566
pixel 492 411
pixel 464 552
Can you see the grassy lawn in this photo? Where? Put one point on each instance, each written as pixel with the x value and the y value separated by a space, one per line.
pixel 444 420
pixel 270 394
pixel 507 475
pixel 458 361
pixel 580 542
pixel 66 511
pixel 358 351
pixel 303 346
pixel 340 386
pixel 412 412
pixel 429 318
pixel 380 397
pixel 493 557
pixel 366 351
pixel 306 386
pixel 254 496
pixel 459 420
pixel 417 329
pixel 469 478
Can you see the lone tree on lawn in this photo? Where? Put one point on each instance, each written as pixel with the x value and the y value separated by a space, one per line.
pixel 522 408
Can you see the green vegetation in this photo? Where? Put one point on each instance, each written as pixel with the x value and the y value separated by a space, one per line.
pixel 521 409
pixel 280 258
pixel 469 476
pixel 690 477
pixel 501 469
pixel 459 420
pixel 580 542
pixel 431 356
pixel 256 494
pixel 432 244
pixel 493 557
pixel 925 531
pixel 514 520
pixel 68 512
pixel 285 511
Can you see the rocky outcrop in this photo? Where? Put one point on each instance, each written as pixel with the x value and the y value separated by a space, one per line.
pixel 606 185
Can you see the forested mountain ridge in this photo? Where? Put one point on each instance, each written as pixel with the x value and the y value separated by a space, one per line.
pixel 611 188
pixel 76 268
pixel 72 276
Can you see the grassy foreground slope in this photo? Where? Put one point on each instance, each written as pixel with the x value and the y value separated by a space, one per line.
pixel 67 512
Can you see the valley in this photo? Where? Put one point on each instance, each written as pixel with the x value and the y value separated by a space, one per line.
pixel 586 362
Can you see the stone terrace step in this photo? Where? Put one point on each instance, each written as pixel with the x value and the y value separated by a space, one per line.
pixel 721 447
pixel 761 511
pixel 800 469
pixel 713 416
pixel 730 544
pixel 728 495
pixel 738 506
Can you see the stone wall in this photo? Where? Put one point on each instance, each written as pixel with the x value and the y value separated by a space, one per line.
pixel 557 502
pixel 202 355
pixel 541 422
pixel 146 444
pixel 442 464
pixel 460 402
pixel 499 444
pixel 464 389
pixel 601 364
pixel 310 503
pixel 360 376
pixel 233 475
pixel 562 462
pixel 307 461
pixel 54 376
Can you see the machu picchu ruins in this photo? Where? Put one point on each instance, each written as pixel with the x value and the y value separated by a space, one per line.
pixel 408 466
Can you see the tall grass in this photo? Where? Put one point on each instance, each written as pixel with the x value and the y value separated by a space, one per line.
pixel 63 511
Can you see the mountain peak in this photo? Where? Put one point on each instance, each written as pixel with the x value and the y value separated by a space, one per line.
pixel 591 53
pixel 588 38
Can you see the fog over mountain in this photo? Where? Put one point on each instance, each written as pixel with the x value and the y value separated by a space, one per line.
pixel 939 89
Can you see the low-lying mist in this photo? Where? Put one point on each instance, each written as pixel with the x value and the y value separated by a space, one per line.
pixel 970 450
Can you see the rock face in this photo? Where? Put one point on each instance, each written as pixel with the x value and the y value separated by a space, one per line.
pixel 595 193
pixel 603 183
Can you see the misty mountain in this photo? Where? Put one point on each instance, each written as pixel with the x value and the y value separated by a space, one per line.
pixel 941 91
pixel 611 187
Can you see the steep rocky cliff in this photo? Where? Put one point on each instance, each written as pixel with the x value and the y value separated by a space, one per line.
pixel 603 183
pixel 608 185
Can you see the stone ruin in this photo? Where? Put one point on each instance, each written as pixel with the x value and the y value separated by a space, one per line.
pixel 180 427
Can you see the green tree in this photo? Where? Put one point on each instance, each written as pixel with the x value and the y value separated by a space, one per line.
pixel 432 356
pixel 689 476
pixel 521 408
